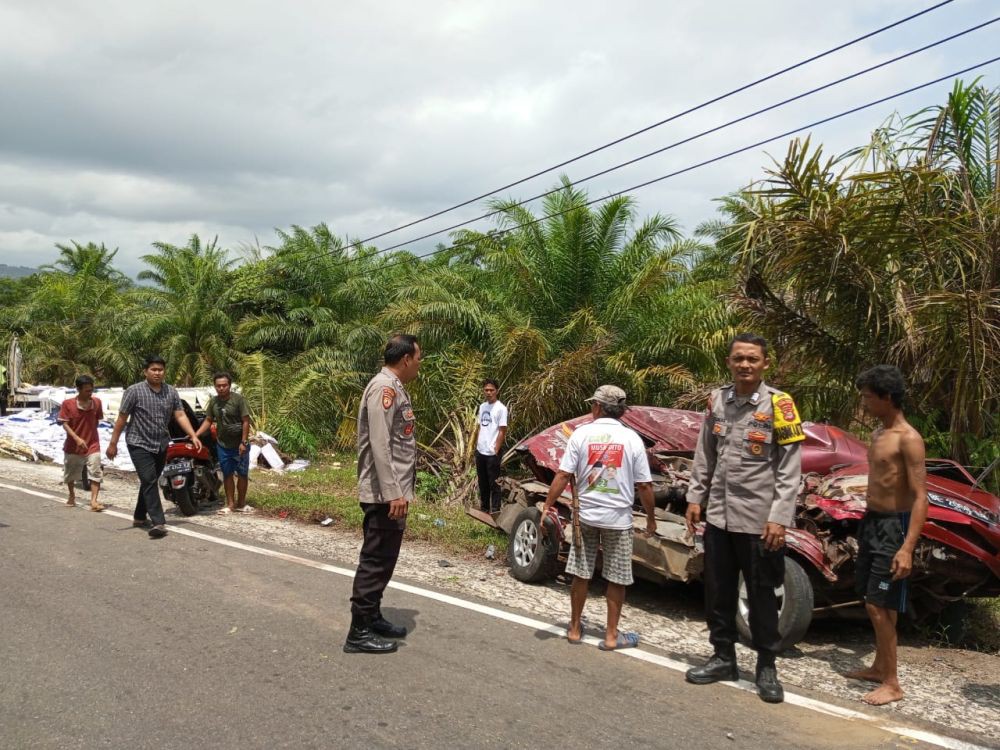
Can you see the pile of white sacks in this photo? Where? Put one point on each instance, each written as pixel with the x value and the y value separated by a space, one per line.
pixel 38 431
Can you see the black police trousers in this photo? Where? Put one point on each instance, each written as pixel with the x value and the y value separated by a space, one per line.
pixel 727 554
pixel 488 471
pixel 383 537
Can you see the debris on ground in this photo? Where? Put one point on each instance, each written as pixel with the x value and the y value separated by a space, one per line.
pixel 326 521
pixel 19 450
pixel 32 434
pixel 264 454
pixel 491 551
pixel 445 564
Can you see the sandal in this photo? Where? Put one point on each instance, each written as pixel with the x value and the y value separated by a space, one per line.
pixel 246 509
pixel 625 640
pixel 97 507
pixel 224 511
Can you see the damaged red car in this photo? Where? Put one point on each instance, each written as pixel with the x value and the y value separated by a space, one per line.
pixel 958 554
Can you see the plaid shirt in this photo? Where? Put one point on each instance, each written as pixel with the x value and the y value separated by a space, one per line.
pixel 149 414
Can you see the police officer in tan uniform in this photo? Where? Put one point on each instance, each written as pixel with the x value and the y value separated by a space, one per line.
pixel 745 480
pixel 387 465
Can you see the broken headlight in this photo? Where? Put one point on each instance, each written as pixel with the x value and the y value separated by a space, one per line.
pixel 943 501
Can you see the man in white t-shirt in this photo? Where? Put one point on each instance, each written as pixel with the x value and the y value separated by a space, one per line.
pixel 607 460
pixel 492 419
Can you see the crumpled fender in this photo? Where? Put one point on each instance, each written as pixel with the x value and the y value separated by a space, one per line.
pixel 807 547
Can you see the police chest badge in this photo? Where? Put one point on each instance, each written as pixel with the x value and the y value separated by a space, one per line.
pixel 408 421
pixel 388 396
pixel 787 425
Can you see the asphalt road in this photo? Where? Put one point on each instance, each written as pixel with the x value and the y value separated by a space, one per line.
pixel 110 639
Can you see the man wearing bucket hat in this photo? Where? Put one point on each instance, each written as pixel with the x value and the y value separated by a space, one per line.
pixel 607 462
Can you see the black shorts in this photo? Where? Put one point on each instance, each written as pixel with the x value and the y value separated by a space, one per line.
pixel 880 535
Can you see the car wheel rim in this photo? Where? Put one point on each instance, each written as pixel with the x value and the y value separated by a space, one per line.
pixel 525 543
pixel 744 601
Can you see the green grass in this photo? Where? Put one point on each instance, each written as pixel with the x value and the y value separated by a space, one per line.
pixel 328 488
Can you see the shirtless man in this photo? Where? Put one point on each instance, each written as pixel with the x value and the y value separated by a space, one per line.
pixel 897 509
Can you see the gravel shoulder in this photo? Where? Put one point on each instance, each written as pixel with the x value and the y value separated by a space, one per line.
pixel 956 689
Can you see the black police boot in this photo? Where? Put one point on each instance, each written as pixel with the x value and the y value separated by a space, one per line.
pixel 362 638
pixel 385 628
pixel 719 667
pixel 768 687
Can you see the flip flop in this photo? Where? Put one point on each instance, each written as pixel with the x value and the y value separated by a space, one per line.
pixel 223 511
pixel 574 641
pixel 97 508
pixel 625 640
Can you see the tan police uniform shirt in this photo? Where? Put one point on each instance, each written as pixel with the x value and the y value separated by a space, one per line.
pixel 747 466
pixel 387 443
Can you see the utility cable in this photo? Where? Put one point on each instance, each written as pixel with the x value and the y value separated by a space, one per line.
pixel 655 152
pixel 654 125
pixel 702 134
pixel 706 162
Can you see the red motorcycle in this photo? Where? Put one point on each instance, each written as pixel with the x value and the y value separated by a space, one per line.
pixel 190 478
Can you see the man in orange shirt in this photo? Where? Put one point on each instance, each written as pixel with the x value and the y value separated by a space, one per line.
pixel 79 417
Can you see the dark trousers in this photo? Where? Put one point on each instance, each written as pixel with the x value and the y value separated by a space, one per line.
pixel 488 471
pixel 727 554
pixel 148 465
pixel 379 552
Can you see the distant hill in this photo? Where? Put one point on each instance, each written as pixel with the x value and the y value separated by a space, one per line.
pixel 15 272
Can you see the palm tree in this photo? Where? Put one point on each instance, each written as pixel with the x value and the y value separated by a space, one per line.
pixel 890 253
pixel 578 295
pixel 88 260
pixel 184 316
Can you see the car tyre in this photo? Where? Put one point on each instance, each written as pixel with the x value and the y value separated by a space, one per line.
pixel 532 555
pixel 795 606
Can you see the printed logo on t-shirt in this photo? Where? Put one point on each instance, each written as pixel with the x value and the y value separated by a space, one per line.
pixel 485 418
pixel 604 460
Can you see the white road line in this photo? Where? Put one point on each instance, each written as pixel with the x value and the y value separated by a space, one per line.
pixel 802 701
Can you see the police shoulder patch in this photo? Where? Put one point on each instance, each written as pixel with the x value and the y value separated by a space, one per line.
pixel 787 424
pixel 388 396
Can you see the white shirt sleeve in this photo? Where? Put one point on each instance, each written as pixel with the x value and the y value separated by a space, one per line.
pixel 571 456
pixel 640 462
pixel 502 416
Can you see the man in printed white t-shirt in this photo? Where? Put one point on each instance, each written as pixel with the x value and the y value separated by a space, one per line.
pixel 607 460
pixel 489 444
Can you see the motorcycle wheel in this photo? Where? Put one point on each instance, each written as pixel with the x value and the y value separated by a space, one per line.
pixel 183 499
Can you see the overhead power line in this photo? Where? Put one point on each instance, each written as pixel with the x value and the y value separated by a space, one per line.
pixel 702 134
pixel 706 162
pixel 654 125
pixel 692 167
pixel 696 136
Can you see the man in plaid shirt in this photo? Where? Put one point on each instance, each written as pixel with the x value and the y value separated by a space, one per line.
pixel 147 408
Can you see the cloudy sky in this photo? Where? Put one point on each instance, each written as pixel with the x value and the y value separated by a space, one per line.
pixel 130 122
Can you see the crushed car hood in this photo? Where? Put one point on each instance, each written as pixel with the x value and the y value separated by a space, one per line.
pixel 675 432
